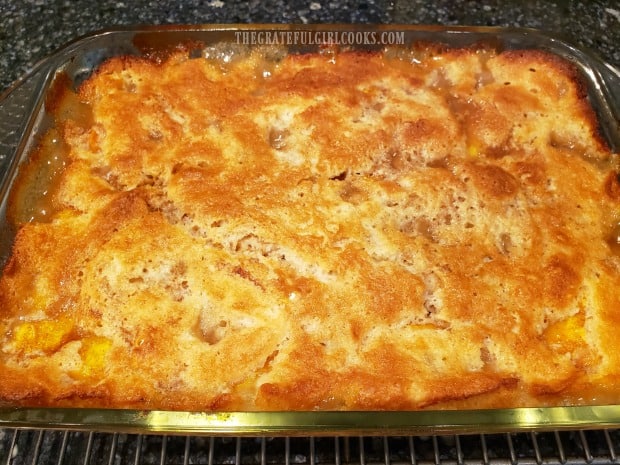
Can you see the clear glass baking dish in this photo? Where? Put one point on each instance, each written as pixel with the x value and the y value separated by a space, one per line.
pixel 23 119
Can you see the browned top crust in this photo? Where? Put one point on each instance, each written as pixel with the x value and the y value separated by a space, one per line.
pixel 325 231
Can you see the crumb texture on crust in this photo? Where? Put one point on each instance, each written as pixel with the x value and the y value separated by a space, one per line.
pixel 401 230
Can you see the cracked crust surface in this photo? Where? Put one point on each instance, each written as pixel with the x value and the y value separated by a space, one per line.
pixel 357 232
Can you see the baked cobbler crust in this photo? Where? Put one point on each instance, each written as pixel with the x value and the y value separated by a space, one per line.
pixel 349 231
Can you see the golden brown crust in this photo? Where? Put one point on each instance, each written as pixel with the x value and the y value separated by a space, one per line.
pixel 349 231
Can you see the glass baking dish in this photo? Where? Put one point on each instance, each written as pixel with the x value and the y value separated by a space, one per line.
pixel 23 119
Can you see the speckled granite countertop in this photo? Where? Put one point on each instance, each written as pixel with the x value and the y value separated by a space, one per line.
pixel 32 29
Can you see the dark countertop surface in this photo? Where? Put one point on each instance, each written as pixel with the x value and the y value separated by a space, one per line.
pixel 32 29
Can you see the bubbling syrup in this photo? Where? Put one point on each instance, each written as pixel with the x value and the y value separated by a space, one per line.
pixel 32 198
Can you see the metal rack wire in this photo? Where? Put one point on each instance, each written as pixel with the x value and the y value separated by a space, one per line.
pixel 42 447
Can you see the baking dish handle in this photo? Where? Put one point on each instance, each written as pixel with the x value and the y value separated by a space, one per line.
pixel 16 104
pixel 610 77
